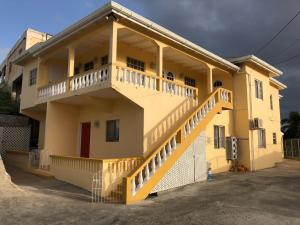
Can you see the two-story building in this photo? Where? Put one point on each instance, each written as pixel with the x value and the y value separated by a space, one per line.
pixel 142 109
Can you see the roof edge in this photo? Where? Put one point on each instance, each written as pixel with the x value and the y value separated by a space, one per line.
pixel 258 61
pixel 278 83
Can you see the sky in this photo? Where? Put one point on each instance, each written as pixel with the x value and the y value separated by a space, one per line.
pixel 226 27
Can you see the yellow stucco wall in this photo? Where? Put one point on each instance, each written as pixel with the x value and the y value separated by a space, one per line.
pixel 147 116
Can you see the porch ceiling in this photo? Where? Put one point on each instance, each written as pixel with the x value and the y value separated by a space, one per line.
pixel 135 40
pixel 183 60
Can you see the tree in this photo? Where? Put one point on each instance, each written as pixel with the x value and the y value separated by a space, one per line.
pixel 8 104
pixel 291 126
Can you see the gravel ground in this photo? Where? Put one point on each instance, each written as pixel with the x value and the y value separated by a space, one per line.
pixel 270 196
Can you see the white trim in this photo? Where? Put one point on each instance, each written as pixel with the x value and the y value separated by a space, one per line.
pixel 278 83
pixel 258 61
pixel 133 17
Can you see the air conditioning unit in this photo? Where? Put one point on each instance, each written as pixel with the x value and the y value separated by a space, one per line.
pixel 231 148
pixel 257 123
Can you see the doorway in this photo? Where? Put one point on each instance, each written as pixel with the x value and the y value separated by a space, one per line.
pixel 85 140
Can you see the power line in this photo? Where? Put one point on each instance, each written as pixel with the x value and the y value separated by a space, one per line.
pixel 289 59
pixel 284 50
pixel 275 36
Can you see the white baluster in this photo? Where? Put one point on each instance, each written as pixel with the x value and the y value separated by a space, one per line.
pixel 174 143
pixel 153 166
pixel 133 186
pixel 188 128
pixel 158 160
pixel 164 154
pixel 192 123
pixel 118 74
pixel 169 148
pixel 140 179
pixel 147 172
pixel 154 84
pixel 196 119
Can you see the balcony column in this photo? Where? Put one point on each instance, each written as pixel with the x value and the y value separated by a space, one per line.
pixel 209 79
pixel 112 54
pixel 71 61
pixel 160 65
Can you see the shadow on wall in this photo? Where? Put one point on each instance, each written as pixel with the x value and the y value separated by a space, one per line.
pixel 168 124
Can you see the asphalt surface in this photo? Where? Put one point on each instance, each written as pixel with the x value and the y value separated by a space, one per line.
pixel 270 196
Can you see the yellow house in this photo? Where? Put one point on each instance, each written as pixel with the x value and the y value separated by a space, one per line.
pixel 127 103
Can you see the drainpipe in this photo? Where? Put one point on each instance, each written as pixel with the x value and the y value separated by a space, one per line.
pixel 251 118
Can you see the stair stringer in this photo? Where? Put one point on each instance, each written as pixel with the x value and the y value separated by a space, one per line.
pixel 191 167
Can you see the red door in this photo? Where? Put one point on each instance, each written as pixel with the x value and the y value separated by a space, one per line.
pixel 85 140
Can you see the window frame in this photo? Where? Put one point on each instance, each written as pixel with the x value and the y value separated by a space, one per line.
pixel 274 138
pixel 115 137
pixel 261 134
pixel 135 64
pixel 259 93
pixel 32 77
pixel 189 81
pixel 88 66
pixel 219 136
pixel 217 83
pixel 271 102
pixel 104 60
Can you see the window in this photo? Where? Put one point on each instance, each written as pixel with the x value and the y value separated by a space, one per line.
pixel 20 51
pixel 112 130
pixel 274 139
pixel 135 64
pixel 219 136
pixel 10 67
pixel 190 81
pixel 218 83
pixel 76 70
pixel 89 66
pixel 104 60
pixel 169 75
pixel 258 89
pixel 262 138
pixel 32 77
pixel 271 102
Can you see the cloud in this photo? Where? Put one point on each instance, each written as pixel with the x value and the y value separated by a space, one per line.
pixel 235 28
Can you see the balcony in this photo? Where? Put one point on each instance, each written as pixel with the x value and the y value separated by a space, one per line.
pixel 95 79
pixel 72 84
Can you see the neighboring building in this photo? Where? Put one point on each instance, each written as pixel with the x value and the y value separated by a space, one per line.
pixel 12 74
pixel 122 97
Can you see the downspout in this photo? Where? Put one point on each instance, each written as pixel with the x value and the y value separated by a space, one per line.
pixel 251 118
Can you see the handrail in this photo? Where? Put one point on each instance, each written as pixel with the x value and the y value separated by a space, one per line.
pixel 69 78
pixel 161 154
pixel 133 173
pixel 94 159
pixel 137 78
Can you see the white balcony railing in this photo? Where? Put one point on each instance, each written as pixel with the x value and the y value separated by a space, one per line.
pixel 52 90
pixel 89 79
pixel 174 88
pixel 74 83
pixel 140 79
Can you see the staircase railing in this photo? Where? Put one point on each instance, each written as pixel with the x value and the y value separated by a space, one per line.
pixel 141 181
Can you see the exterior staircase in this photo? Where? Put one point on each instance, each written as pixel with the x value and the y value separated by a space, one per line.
pixel 139 183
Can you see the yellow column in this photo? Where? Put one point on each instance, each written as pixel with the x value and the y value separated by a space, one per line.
pixel 112 55
pixel 71 61
pixel 209 80
pixel 159 63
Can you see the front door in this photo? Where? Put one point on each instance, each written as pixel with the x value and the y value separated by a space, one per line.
pixel 85 139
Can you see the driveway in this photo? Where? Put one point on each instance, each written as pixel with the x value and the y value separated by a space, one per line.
pixel 270 196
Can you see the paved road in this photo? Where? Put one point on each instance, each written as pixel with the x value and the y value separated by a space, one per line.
pixel 270 196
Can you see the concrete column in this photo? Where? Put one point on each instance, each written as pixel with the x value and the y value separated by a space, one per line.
pixel 159 63
pixel 71 61
pixel 209 80
pixel 112 54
